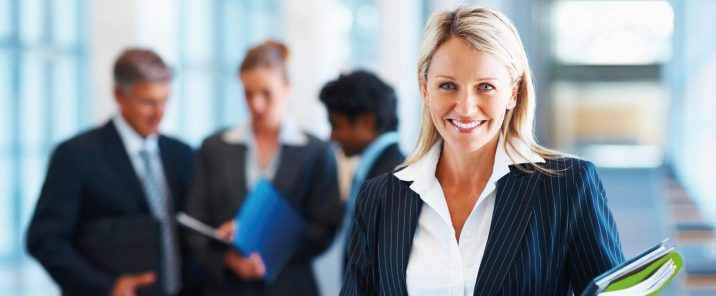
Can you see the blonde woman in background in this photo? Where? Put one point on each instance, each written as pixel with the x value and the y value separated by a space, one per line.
pixel 479 207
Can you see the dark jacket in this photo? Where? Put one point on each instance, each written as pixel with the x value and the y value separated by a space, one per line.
pixel 306 176
pixel 549 234
pixel 92 195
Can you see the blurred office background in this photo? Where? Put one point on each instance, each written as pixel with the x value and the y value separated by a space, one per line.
pixel 630 85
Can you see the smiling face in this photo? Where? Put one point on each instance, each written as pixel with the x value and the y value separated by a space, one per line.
pixel 468 93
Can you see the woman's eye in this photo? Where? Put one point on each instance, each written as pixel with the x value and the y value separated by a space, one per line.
pixel 485 87
pixel 447 85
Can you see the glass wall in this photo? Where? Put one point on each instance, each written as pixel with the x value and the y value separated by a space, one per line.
pixel 43 99
pixel 609 102
pixel 213 38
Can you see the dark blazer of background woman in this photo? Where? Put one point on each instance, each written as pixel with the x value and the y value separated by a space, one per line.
pixel 306 175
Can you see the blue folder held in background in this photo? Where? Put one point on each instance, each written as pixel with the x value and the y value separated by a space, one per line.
pixel 268 224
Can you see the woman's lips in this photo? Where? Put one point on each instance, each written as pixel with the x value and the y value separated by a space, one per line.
pixel 466 126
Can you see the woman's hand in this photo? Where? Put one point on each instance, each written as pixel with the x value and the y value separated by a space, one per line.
pixel 247 268
pixel 227 230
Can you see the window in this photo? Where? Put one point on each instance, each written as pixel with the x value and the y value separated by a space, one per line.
pixel 363 33
pixel 214 36
pixel 612 32
pixel 607 91
pixel 43 99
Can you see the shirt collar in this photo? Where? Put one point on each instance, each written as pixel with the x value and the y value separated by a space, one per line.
pixel 372 151
pixel 422 172
pixel 290 134
pixel 133 142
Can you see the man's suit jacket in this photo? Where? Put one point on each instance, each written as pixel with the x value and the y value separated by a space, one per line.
pixel 306 176
pixel 548 234
pixel 92 186
pixel 387 161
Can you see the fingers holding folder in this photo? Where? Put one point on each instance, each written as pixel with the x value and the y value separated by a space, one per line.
pixel 247 268
pixel 267 228
pixel 227 231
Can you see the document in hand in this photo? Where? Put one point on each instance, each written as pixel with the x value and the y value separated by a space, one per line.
pixel 646 274
pixel 198 226
pixel 268 224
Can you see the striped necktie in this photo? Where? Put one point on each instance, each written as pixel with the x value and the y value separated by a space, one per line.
pixel 162 209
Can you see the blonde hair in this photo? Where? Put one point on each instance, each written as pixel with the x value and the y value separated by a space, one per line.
pixel 488 31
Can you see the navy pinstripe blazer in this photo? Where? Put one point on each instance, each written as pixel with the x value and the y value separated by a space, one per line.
pixel 549 234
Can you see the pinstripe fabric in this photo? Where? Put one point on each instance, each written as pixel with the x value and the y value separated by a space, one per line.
pixel 549 234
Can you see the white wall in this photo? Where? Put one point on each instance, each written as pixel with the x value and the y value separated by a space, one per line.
pixel 316 32
pixel 401 27
pixel 116 25
pixel 110 30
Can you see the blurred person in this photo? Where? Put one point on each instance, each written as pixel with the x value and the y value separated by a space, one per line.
pixel 269 145
pixel 114 190
pixel 362 113
pixel 479 207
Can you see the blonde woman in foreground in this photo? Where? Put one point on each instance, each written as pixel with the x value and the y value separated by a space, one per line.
pixel 479 207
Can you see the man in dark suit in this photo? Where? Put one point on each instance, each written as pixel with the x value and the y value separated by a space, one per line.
pixel 104 223
pixel 362 112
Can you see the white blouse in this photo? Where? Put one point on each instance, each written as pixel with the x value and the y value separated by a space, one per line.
pixel 242 134
pixel 438 265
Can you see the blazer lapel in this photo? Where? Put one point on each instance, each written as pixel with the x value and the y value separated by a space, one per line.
pixel 514 205
pixel 402 210
pixel 234 175
pixel 170 170
pixel 288 170
pixel 119 160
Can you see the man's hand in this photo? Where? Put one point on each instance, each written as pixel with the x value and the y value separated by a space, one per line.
pixel 127 285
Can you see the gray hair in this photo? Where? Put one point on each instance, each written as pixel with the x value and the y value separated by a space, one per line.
pixel 139 65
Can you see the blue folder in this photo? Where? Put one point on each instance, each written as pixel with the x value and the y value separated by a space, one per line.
pixel 268 224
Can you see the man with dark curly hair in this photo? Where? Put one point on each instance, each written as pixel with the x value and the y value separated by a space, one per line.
pixel 362 112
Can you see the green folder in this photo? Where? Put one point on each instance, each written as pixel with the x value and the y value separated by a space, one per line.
pixel 645 274
pixel 642 275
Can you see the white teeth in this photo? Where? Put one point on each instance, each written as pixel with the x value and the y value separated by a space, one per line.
pixel 466 125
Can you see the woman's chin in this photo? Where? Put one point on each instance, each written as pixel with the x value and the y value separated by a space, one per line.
pixel 467 144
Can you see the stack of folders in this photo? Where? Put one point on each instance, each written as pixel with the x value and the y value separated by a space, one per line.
pixel 266 224
pixel 646 274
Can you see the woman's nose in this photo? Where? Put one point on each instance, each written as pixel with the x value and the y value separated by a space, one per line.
pixel 257 104
pixel 466 103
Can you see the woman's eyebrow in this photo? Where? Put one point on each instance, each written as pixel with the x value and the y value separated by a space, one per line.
pixel 444 76
pixel 478 79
